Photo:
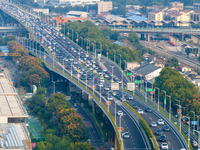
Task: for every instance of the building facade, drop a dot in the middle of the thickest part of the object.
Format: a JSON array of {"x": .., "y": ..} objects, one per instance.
[
  {"x": 176, "y": 5},
  {"x": 104, "y": 6}
]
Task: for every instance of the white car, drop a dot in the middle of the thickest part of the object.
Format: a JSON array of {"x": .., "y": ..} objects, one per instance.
[
  {"x": 164, "y": 146},
  {"x": 160, "y": 122},
  {"x": 126, "y": 135},
  {"x": 140, "y": 111},
  {"x": 153, "y": 124},
  {"x": 110, "y": 98},
  {"x": 120, "y": 113}
]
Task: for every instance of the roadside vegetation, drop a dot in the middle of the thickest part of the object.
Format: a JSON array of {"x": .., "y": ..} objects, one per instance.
[
  {"x": 62, "y": 126},
  {"x": 101, "y": 39},
  {"x": 178, "y": 88}
]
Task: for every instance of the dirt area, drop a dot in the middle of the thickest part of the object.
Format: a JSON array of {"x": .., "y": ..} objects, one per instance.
[{"x": 127, "y": 43}]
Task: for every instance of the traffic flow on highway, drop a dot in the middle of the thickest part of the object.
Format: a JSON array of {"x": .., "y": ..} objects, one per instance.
[{"x": 64, "y": 55}]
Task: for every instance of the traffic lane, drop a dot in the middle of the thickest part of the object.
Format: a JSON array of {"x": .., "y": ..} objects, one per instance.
[
  {"x": 136, "y": 140},
  {"x": 149, "y": 117}
]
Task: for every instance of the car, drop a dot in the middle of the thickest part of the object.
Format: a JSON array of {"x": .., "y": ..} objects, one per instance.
[
  {"x": 194, "y": 144},
  {"x": 148, "y": 109},
  {"x": 106, "y": 88},
  {"x": 110, "y": 97},
  {"x": 160, "y": 122},
  {"x": 140, "y": 111},
  {"x": 135, "y": 106},
  {"x": 153, "y": 124},
  {"x": 166, "y": 128},
  {"x": 164, "y": 146},
  {"x": 162, "y": 138},
  {"x": 130, "y": 97},
  {"x": 120, "y": 113},
  {"x": 126, "y": 135},
  {"x": 159, "y": 132}
]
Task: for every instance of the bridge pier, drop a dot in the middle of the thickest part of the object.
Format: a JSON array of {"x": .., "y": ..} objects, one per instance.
[
  {"x": 173, "y": 39},
  {"x": 195, "y": 39}
]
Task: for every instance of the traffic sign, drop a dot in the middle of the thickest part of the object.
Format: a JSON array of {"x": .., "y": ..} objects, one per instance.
[
  {"x": 99, "y": 55},
  {"x": 129, "y": 73},
  {"x": 149, "y": 90},
  {"x": 138, "y": 81}
]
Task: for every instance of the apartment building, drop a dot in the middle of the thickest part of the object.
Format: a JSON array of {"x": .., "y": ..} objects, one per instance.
[{"x": 104, "y": 6}]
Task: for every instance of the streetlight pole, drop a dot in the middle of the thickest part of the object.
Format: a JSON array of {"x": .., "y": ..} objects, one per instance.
[
  {"x": 179, "y": 105},
  {"x": 77, "y": 38},
  {"x": 194, "y": 121},
  {"x": 72, "y": 35},
  {"x": 100, "y": 94},
  {"x": 112, "y": 73},
  {"x": 169, "y": 107},
  {"x": 198, "y": 131},
  {"x": 115, "y": 112},
  {"x": 71, "y": 70},
  {"x": 114, "y": 56},
  {"x": 120, "y": 60},
  {"x": 146, "y": 92},
  {"x": 164, "y": 100},
  {"x": 107, "y": 51},
  {"x": 86, "y": 79},
  {"x": 158, "y": 97},
  {"x": 93, "y": 85},
  {"x": 63, "y": 65},
  {"x": 108, "y": 102}
]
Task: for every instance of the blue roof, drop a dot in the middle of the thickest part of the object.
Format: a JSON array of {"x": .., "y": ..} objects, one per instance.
[
  {"x": 136, "y": 18},
  {"x": 119, "y": 43}
]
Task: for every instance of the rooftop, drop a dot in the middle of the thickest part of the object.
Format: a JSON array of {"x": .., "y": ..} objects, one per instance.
[
  {"x": 137, "y": 18},
  {"x": 13, "y": 136},
  {"x": 146, "y": 69},
  {"x": 76, "y": 12},
  {"x": 9, "y": 99}
]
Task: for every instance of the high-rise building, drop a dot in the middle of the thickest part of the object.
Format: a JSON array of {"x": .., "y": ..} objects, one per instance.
[
  {"x": 176, "y": 5},
  {"x": 42, "y": 2},
  {"x": 104, "y": 6},
  {"x": 196, "y": 6}
]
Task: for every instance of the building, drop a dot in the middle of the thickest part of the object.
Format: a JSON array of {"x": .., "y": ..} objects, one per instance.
[
  {"x": 133, "y": 7},
  {"x": 104, "y": 6},
  {"x": 74, "y": 2},
  {"x": 196, "y": 6},
  {"x": 80, "y": 14},
  {"x": 156, "y": 16},
  {"x": 59, "y": 20},
  {"x": 42, "y": 3},
  {"x": 14, "y": 137},
  {"x": 176, "y": 5},
  {"x": 11, "y": 107},
  {"x": 132, "y": 65},
  {"x": 44, "y": 11},
  {"x": 148, "y": 71}
]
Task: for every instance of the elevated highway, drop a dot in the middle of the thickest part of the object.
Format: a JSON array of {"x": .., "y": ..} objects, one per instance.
[
  {"x": 138, "y": 139},
  {"x": 130, "y": 122}
]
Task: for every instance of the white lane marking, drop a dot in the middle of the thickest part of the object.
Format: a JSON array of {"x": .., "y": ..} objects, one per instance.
[{"x": 150, "y": 118}]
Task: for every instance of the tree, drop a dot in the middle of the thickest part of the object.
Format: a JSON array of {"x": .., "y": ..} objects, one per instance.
[
  {"x": 172, "y": 62},
  {"x": 81, "y": 146},
  {"x": 176, "y": 86},
  {"x": 41, "y": 146}
]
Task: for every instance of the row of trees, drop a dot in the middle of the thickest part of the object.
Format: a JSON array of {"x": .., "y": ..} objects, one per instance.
[
  {"x": 32, "y": 71},
  {"x": 100, "y": 39},
  {"x": 178, "y": 88},
  {"x": 63, "y": 127}
]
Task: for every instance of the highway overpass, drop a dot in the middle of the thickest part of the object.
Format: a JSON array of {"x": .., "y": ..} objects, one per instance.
[{"x": 138, "y": 138}]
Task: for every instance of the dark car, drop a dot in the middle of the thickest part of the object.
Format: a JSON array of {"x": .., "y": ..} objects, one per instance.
[
  {"x": 135, "y": 106},
  {"x": 148, "y": 109},
  {"x": 159, "y": 132},
  {"x": 166, "y": 128},
  {"x": 162, "y": 138}
]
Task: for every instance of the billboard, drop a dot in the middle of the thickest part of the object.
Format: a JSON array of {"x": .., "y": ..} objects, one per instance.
[
  {"x": 131, "y": 86},
  {"x": 114, "y": 86}
]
